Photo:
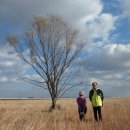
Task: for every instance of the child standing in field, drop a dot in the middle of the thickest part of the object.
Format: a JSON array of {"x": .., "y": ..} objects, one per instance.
[{"x": 82, "y": 105}]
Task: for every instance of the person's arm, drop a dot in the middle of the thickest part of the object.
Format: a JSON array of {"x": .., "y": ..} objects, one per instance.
[
  {"x": 102, "y": 95},
  {"x": 90, "y": 95}
]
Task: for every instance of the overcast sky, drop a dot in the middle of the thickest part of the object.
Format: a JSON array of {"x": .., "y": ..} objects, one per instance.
[{"x": 104, "y": 25}]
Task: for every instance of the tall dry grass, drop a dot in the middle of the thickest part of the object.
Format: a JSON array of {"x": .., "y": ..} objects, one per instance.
[{"x": 34, "y": 115}]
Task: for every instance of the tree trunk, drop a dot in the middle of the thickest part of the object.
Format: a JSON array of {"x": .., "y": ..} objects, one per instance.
[{"x": 53, "y": 106}]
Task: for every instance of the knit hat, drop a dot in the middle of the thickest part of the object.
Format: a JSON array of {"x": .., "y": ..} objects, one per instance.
[{"x": 81, "y": 93}]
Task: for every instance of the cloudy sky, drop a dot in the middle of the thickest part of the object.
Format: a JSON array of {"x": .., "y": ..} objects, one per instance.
[{"x": 104, "y": 25}]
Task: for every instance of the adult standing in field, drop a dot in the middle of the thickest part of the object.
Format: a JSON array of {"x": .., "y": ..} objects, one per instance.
[
  {"x": 82, "y": 105},
  {"x": 96, "y": 97}
]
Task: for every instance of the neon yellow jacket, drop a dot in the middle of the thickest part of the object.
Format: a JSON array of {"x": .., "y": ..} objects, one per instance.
[{"x": 96, "y": 97}]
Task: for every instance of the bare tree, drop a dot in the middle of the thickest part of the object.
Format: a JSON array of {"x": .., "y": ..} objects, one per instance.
[{"x": 53, "y": 48}]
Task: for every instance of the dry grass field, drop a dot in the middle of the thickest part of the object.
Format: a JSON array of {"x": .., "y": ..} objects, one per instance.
[{"x": 34, "y": 115}]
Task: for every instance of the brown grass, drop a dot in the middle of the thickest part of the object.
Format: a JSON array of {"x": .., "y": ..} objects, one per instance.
[{"x": 34, "y": 115}]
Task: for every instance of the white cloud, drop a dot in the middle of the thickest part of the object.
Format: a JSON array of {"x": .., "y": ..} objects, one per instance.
[
  {"x": 10, "y": 64},
  {"x": 113, "y": 76},
  {"x": 6, "y": 64},
  {"x": 85, "y": 15},
  {"x": 102, "y": 26},
  {"x": 9, "y": 79},
  {"x": 100, "y": 29},
  {"x": 3, "y": 79},
  {"x": 73, "y": 11},
  {"x": 110, "y": 57},
  {"x": 118, "y": 49}
]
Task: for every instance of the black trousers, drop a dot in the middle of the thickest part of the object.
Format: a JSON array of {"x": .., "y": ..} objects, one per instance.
[
  {"x": 82, "y": 113},
  {"x": 97, "y": 113}
]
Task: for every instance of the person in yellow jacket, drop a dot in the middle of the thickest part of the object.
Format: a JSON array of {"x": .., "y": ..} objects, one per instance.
[{"x": 96, "y": 97}]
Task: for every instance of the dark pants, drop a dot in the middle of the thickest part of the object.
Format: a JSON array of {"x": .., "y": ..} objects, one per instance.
[
  {"x": 97, "y": 113},
  {"x": 82, "y": 113}
]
